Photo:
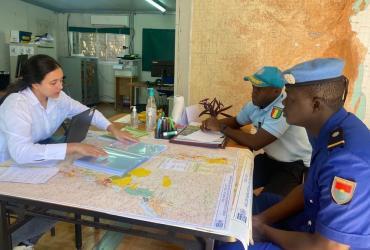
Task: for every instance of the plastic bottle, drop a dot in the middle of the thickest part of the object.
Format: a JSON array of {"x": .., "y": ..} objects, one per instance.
[
  {"x": 134, "y": 118},
  {"x": 151, "y": 111}
]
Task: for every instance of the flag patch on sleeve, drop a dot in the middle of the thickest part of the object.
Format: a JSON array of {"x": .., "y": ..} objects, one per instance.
[
  {"x": 342, "y": 190},
  {"x": 276, "y": 112}
]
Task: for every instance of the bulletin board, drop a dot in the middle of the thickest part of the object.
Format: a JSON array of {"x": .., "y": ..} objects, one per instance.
[{"x": 158, "y": 44}]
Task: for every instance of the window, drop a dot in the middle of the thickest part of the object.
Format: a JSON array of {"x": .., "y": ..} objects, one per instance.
[{"x": 105, "y": 46}]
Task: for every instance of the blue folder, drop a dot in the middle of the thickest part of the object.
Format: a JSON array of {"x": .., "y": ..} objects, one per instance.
[{"x": 119, "y": 161}]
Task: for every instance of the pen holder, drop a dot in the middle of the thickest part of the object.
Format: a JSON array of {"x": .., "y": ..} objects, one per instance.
[{"x": 165, "y": 128}]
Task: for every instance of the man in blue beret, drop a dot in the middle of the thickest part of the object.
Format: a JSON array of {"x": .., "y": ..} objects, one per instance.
[
  {"x": 331, "y": 209},
  {"x": 287, "y": 151}
]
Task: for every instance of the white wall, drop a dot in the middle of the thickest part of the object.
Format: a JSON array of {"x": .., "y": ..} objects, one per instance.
[
  {"x": 182, "y": 50},
  {"x": 18, "y": 15},
  {"x": 150, "y": 21}
]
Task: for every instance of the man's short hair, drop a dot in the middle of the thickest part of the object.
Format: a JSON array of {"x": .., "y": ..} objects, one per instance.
[{"x": 332, "y": 91}]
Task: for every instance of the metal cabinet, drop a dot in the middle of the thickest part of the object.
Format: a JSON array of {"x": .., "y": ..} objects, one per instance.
[{"x": 81, "y": 81}]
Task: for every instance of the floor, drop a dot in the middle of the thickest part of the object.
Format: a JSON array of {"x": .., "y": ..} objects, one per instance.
[
  {"x": 108, "y": 109},
  {"x": 99, "y": 240},
  {"x": 96, "y": 238}
]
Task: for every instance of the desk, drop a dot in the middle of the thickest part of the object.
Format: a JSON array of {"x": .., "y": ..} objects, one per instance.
[
  {"x": 175, "y": 209},
  {"x": 126, "y": 90}
]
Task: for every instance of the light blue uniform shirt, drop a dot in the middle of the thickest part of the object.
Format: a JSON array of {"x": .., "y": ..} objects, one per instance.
[
  {"x": 24, "y": 122},
  {"x": 292, "y": 142}
]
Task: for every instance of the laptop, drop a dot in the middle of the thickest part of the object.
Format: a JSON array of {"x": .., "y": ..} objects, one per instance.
[
  {"x": 76, "y": 131},
  {"x": 79, "y": 126}
]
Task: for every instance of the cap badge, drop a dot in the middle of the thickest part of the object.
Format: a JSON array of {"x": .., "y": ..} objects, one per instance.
[{"x": 289, "y": 78}]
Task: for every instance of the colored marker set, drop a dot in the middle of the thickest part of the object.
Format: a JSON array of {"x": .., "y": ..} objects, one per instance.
[{"x": 165, "y": 128}]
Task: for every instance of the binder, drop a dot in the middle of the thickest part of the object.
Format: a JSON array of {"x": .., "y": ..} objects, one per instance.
[{"x": 193, "y": 136}]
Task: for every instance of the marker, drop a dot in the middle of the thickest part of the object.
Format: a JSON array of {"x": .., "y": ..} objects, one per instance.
[
  {"x": 172, "y": 124},
  {"x": 170, "y": 133},
  {"x": 164, "y": 125},
  {"x": 159, "y": 123}
]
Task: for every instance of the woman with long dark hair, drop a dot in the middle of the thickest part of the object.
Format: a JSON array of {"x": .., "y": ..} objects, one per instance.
[
  {"x": 31, "y": 111},
  {"x": 34, "y": 108}
]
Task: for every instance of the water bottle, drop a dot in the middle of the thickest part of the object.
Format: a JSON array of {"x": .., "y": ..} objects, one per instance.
[
  {"x": 151, "y": 111},
  {"x": 134, "y": 118}
]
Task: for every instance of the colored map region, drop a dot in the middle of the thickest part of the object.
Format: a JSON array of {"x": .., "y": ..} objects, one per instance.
[{"x": 253, "y": 34}]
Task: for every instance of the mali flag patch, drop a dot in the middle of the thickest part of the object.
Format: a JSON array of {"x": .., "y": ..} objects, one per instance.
[
  {"x": 342, "y": 190},
  {"x": 276, "y": 112}
]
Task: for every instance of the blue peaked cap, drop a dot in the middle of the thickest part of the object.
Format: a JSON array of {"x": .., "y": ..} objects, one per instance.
[{"x": 310, "y": 72}]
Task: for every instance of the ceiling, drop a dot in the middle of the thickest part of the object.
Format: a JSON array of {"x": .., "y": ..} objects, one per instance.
[{"x": 103, "y": 6}]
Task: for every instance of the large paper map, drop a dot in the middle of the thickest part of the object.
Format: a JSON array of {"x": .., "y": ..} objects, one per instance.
[
  {"x": 252, "y": 34},
  {"x": 185, "y": 186}
]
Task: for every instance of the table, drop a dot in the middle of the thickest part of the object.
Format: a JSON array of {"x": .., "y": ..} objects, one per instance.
[
  {"x": 126, "y": 90},
  {"x": 87, "y": 201}
]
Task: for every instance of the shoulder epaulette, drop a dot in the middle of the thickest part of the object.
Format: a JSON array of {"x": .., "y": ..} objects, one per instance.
[{"x": 336, "y": 139}]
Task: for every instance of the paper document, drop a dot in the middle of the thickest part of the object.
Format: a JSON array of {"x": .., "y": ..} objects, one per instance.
[
  {"x": 241, "y": 215},
  {"x": 31, "y": 175},
  {"x": 194, "y": 136},
  {"x": 124, "y": 119},
  {"x": 135, "y": 132},
  {"x": 44, "y": 164},
  {"x": 192, "y": 113},
  {"x": 207, "y": 137}
]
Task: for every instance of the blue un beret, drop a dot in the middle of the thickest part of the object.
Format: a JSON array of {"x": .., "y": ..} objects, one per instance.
[{"x": 311, "y": 72}]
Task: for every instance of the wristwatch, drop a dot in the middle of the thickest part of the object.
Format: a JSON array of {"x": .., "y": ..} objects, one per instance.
[{"x": 223, "y": 127}]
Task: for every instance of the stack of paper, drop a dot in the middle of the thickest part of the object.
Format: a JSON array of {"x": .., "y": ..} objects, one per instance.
[
  {"x": 31, "y": 175},
  {"x": 124, "y": 119},
  {"x": 193, "y": 135},
  {"x": 206, "y": 137}
]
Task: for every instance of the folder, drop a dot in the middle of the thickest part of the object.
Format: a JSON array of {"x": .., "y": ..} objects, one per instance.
[{"x": 194, "y": 136}]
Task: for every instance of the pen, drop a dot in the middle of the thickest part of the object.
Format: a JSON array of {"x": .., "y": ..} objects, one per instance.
[
  {"x": 159, "y": 127},
  {"x": 164, "y": 125},
  {"x": 172, "y": 124}
]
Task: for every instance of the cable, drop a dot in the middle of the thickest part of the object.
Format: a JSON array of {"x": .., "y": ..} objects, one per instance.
[{"x": 68, "y": 40}]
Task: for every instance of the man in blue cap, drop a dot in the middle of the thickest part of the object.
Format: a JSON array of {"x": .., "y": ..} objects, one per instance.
[
  {"x": 287, "y": 151},
  {"x": 331, "y": 210}
]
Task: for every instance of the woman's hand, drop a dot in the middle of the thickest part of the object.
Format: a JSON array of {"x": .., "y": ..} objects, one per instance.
[
  {"x": 85, "y": 150},
  {"x": 121, "y": 135}
]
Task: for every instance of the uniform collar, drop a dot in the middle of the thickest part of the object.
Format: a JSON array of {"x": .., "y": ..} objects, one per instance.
[
  {"x": 277, "y": 99},
  {"x": 331, "y": 124}
]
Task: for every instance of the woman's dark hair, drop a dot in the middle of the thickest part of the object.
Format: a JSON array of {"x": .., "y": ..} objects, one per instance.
[{"x": 33, "y": 71}]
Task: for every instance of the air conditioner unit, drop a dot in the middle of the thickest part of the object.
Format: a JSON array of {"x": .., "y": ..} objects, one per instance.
[{"x": 110, "y": 20}]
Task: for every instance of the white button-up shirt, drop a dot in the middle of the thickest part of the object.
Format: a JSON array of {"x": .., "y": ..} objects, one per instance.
[{"x": 24, "y": 122}]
